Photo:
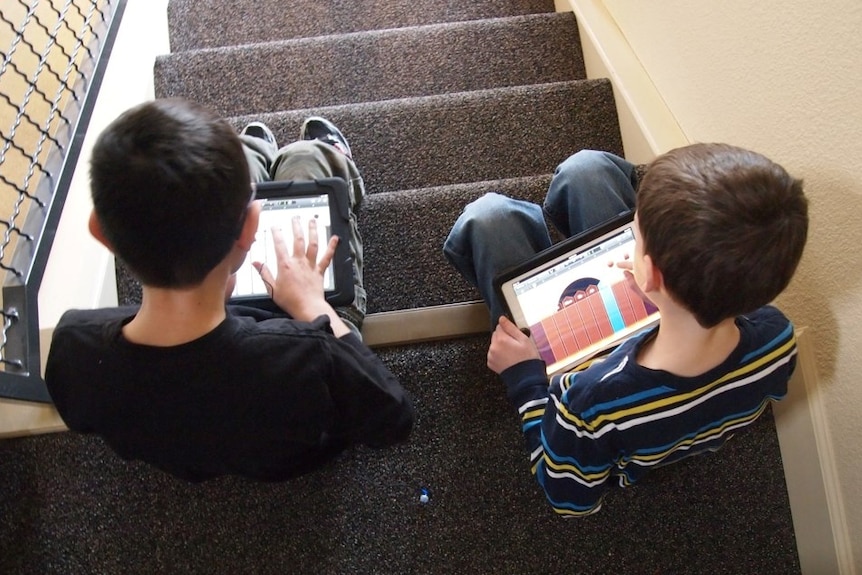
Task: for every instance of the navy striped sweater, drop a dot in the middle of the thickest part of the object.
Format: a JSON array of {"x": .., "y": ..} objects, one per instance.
[{"x": 614, "y": 420}]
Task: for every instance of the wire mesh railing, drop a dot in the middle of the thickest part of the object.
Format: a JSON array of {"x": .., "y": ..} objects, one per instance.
[{"x": 52, "y": 57}]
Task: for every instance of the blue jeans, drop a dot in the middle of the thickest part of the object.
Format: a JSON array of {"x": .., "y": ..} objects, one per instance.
[{"x": 496, "y": 232}]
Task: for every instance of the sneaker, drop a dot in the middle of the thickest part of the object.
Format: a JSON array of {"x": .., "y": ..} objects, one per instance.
[
  {"x": 259, "y": 130},
  {"x": 317, "y": 128}
]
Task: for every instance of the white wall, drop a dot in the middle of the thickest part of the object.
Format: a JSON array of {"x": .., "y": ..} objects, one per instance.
[
  {"x": 784, "y": 78},
  {"x": 80, "y": 272}
]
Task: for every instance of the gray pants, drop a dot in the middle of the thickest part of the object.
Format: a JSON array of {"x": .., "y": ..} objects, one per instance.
[{"x": 311, "y": 160}]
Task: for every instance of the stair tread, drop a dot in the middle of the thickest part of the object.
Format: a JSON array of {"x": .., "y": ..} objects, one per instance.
[
  {"x": 468, "y": 136},
  {"x": 209, "y": 23},
  {"x": 68, "y": 494},
  {"x": 369, "y": 66},
  {"x": 404, "y": 263}
]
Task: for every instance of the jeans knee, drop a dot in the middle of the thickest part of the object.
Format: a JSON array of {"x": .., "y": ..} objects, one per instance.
[
  {"x": 486, "y": 221},
  {"x": 492, "y": 209},
  {"x": 472, "y": 222},
  {"x": 587, "y": 165}
]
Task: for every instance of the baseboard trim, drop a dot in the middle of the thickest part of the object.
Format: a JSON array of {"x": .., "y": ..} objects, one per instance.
[
  {"x": 647, "y": 126},
  {"x": 426, "y": 324},
  {"x": 819, "y": 520}
]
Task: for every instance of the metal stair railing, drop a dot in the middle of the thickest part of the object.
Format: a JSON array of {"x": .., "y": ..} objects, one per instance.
[{"x": 53, "y": 54}]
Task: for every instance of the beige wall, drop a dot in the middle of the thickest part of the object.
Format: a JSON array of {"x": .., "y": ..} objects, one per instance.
[{"x": 783, "y": 78}]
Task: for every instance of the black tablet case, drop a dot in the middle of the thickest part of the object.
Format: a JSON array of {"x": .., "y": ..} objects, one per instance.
[{"x": 339, "y": 207}]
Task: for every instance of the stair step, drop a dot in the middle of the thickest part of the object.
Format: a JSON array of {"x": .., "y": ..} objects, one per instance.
[
  {"x": 404, "y": 263},
  {"x": 416, "y": 143},
  {"x": 70, "y": 505},
  {"x": 380, "y": 65},
  {"x": 210, "y": 23}
]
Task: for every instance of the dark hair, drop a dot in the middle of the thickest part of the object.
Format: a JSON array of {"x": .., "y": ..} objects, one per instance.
[
  {"x": 726, "y": 227},
  {"x": 170, "y": 187}
]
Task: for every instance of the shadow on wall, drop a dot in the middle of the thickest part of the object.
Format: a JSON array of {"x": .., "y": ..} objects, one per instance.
[{"x": 830, "y": 272}]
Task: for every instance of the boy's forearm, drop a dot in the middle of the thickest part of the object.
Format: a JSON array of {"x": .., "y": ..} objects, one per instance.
[
  {"x": 570, "y": 469},
  {"x": 527, "y": 389},
  {"x": 339, "y": 328},
  {"x": 568, "y": 466}
]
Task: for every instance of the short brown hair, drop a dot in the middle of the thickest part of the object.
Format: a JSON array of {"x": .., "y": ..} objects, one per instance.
[
  {"x": 726, "y": 227},
  {"x": 170, "y": 186}
]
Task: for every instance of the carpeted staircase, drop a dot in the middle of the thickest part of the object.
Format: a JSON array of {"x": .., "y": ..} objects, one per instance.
[{"x": 441, "y": 101}]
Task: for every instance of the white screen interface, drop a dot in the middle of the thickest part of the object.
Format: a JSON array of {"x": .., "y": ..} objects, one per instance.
[{"x": 278, "y": 212}]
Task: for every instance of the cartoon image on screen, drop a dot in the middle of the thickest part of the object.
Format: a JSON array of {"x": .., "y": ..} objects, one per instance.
[
  {"x": 589, "y": 311},
  {"x": 279, "y": 212},
  {"x": 579, "y": 305}
]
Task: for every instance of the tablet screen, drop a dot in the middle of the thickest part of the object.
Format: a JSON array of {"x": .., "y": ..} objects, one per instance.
[
  {"x": 279, "y": 212},
  {"x": 579, "y": 302}
]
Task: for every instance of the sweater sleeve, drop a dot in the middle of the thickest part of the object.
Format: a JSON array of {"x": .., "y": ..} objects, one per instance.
[
  {"x": 572, "y": 463},
  {"x": 373, "y": 407}
]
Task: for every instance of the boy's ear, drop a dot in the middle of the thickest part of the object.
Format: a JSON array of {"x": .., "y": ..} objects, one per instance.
[
  {"x": 249, "y": 227},
  {"x": 653, "y": 280},
  {"x": 96, "y": 230}
]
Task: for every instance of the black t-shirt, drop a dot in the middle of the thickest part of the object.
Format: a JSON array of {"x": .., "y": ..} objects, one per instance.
[{"x": 262, "y": 395}]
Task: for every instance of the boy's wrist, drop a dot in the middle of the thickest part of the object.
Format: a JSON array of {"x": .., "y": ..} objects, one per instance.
[
  {"x": 530, "y": 371},
  {"x": 311, "y": 310},
  {"x": 525, "y": 382},
  {"x": 314, "y": 310}
]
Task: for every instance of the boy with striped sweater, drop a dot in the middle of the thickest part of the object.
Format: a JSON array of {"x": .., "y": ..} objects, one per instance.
[{"x": 719, "y": 232}]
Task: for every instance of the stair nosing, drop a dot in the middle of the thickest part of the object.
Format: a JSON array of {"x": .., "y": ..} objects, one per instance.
[
  {"x": 381, "y": 32},
  {"x": 409, "y": 101}
]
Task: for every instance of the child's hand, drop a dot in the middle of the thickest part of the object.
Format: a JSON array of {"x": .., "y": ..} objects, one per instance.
[
  {"x": 509, "y": 346},
  {"x": 625, "y": 263},
  {"x": 297, "y": 287},
  {"x": 628, "y": 270}
]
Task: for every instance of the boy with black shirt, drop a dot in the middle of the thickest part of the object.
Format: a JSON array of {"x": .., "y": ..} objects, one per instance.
[{"x": 185, "y": 382}]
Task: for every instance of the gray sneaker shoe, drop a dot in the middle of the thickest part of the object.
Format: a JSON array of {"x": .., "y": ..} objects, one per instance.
[
  {"x": 259, "y": 130},
  {"x": 318, "y": 128}
]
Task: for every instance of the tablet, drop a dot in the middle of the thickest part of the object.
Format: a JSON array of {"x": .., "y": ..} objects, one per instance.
[
  {"x": 325, "y": 200},
  {"x": 573, "y": 298}
]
